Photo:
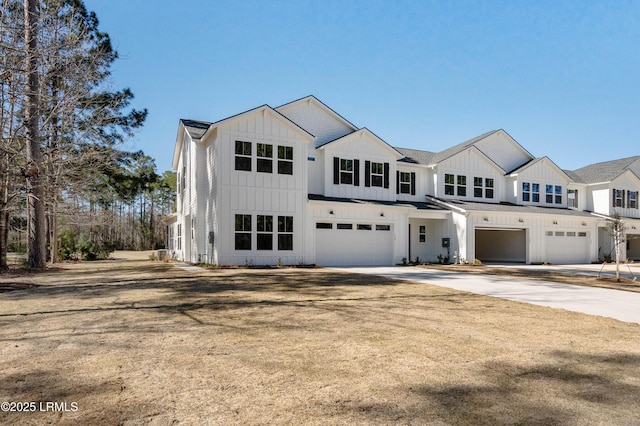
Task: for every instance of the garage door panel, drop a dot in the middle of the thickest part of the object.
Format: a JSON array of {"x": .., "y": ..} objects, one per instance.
[
  {"x": 567, "y": 246},
  {"x": 354, "y": 247}
]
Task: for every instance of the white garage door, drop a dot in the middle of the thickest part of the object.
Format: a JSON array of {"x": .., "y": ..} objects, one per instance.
[
  {"x": 354, "y": 244},
  {"x": 567, "y": 247},
  {"x": 501, "y": 245}
]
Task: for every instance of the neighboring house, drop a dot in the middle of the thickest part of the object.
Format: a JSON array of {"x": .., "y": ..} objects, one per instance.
[{"x": 301, "y": 184}]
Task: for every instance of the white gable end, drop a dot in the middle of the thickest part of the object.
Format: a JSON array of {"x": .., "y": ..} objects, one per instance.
[
  {"x": 503, "y": 150},
  {"x": 317, "y": 119}
]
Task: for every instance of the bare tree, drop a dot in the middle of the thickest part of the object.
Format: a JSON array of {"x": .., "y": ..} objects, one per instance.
[{"x": 617, "y": 231}]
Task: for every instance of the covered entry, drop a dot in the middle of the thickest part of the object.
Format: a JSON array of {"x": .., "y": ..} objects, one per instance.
[
  {"x": 501, "y": 245},
  {"x": 354, "y": 244}
]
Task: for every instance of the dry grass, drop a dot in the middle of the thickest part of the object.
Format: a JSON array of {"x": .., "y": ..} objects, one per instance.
[{"x": 137, "y": 342}]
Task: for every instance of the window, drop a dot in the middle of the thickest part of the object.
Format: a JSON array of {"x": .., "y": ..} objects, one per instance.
[
  {"x": 243, "y": 232},
  {"x": 462, "y": 186},
  {"x": 285, "y": 160},
  {"x": 346, "y": 171},
  {"x": 264, "y": 226},
  {"x": 285, "y": 232},
  {"x": 535, "y": 192},
  {"x": 477, "y": 187},
  {"x": 558, "y": 194},
  {"x": 405, "y": 182},
  {"x": 571, "y": 234},
  {"x": 243, "y": 156},
  {"x": 377, "y": 174},
  {"x": 488, "y": 188},
  {"x": 449, "y": 181},
  {"x": 363, "y": 227},
  {"x": 193, "y": 228},
  {"x": 344, "y": 226},
  {"x": 526, "y": 191},
  {"x": 422, "y": 234},
  {"x": 559, "y": 234},
  {"x": 549, "y": 193},
  {"x": 572, "y": 198},
  {"x": 179, "y": 237},
  {"x": 549, "y": 233},
  {"x": 582, "y": 234},
  {"x": 633, "y": 200},
  {"x": 265, "y": 154},
  {"x": 383, "y": 227},
  {"x": 324, "y": 225},
  {"x": 618, "y": 198}
]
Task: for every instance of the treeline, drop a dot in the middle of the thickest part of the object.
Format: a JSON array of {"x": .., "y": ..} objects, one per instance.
[{"x": 63, "y": 172}]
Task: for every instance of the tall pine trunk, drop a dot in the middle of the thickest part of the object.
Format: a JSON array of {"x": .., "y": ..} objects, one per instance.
[{"x": 36, "y": 233}]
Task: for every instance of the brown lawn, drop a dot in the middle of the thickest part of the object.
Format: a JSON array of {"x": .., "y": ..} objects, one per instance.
[{"x": 140, "y": 342}]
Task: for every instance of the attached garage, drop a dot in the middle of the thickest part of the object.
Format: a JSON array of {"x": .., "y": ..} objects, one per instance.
[
  {"x": 567, "y": 246},
  {"x": 501, "y": 245},
  {"x": 354, "y": 244},
  {"x": 633, "y": 247}
]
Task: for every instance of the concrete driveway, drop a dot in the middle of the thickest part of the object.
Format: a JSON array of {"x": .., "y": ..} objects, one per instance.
[{"x": 621, "y": 305}]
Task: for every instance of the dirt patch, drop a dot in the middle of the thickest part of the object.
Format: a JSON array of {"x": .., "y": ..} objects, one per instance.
[{"x": 139, "y": 342}]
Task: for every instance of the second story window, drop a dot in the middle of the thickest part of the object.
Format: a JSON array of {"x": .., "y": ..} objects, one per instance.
[
  {"x": 449, "y": 182},
  {"x": 285, "y": 160},
  {"x": 377, "y": 174},
  {"x": 488, "y": 188},
  {"x": 558, "y": 197},
  {"x": 549, "y": 194},
  {"x": 618, "y": 198},
  {"x": 535, "y": 192},
  {"x": 526, "y": 191},
  {"x": 462, "y": 186},
  {"x": 405, "y": 182},
  {"x": 264, "y": 153},
  {"x": 633, "y": 200},
  {"x": 243, "y": 156},
  {"x": 572, "y": 198},
  {"x": 477, "y": 187},
  {"x": 346, "y": 171}
]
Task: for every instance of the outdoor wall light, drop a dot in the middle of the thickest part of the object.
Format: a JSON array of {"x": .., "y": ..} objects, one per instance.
[
  {"x": 486, "y": 219},
  {"x": 584, "y": 223},
  {"x": 555, "y": 222},
  {"x": 521, "y": 220},
  {"x": 331, "y": 212},
  {"x": 382, "y": 214}
]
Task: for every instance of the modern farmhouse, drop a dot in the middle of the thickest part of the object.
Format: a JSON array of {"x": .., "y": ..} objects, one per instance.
[{"x": 301, "y": 184}]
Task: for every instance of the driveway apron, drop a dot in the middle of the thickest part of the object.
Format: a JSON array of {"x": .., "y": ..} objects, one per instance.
[{"x": 617, "y": 304}]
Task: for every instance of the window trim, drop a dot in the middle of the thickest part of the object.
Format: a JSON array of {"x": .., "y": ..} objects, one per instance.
[
  {"x": 264, "y": 158},
  {"x": 264, "y": 229},
  {"x": 285, "y": 233},
  {"x": 284, "y": 160},
  {"x": 243, "y": 157},
  {"x": 449, "y": 184},
  {"x": 241, "y": 232}
]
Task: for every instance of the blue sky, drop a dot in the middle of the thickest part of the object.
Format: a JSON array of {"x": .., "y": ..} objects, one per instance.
[{"x": 561, "y": 77}]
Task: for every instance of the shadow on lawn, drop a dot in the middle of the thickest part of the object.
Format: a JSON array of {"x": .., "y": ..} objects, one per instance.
[{"x": 567, "y": 391}]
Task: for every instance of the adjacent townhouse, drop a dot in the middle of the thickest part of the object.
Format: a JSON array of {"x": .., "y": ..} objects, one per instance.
[{"x": 299, "y": 183}]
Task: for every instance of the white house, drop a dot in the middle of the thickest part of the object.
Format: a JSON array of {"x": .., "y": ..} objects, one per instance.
[{"x": 301, "y": 184}]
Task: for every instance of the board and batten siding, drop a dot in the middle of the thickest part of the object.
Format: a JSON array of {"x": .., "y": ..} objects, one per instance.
[
  {"x": 254, "y": 193},
  {"x": 505, "y": 152},
  {"x": 470, "y": 163}
]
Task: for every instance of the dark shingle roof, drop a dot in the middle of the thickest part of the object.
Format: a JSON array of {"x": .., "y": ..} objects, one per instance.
[
  {"x": 195, "y": 128},
  {"x": 514, "y": 208},
  {"x": 415, "y": 156},
  {"x": 605, "y": 171},
  {"x": 418, "y": 205}
]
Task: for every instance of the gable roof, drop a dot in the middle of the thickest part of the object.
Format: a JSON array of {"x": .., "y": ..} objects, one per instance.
[
  {"x": 415, "y": 156},
  {"x": 199, "y": 130},
  {"x": 605, "y": 171},
  {"x": 536, "y": 161},
  {"x": 322, "y": 105},
  {"x": 364, "y": 131}
]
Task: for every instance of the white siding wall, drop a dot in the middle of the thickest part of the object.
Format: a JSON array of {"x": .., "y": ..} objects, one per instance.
[
  {"x": 470, "y": 163},
  {"x": 422, "y": 183},
  {"x": 360, "y": 148},
  {"x": 501, "y": 149},
  {"x": 436, "y": 230},
  {"x": 543, "y": 174},
  {"x": 316, "y": 119},
  {"x": 253, "y": 193},
  {"x": 627, "y": 182},
  {"x": 316, "y": 170}
]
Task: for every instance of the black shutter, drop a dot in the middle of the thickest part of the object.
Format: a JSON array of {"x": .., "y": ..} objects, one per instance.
[
  {"x": 623, "y": 197},
  {"x": 367, "y": 173},
  {"x": 356, "y": 172},
  {"x": 613, "y": 197},
  {"x": 413, "y": 183},
  {"x": 397, "y": 181},
  {"x": 386, "y": 175},
  {"x": 336, "y": 171}
]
